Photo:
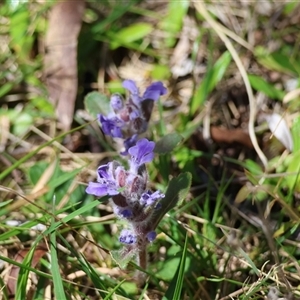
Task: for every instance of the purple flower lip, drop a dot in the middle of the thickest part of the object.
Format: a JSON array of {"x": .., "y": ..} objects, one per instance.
[
  {"x": 149, "y": 198},
  {"x": 103, "y": 188},
  {"x": 111, "y": 126},
  {"x": 141, "y": 153},
  {"x": 128, "y": 143},
  {"x": 153, "y": 92},
  {"x": 106, "y": 183}
]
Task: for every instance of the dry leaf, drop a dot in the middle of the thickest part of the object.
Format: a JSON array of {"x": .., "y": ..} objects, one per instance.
[
  {"x": 61, "y": 57},
  {"x": 14, "y": 271}
]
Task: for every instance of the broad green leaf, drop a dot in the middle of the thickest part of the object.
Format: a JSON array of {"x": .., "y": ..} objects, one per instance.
[
  {"x": 210, "y": 80},
  {"x": 177, "y": 190},
  {"x": 168, "y": 268},
  {"x": 263, "y": 86},
  {"x": 167, "y": 143},
  {"x": 55, "y": 182},
  {"x": 20, "y": 39},
  {"x": 42, "y": 104},
  {"x": 253, "y": 167},
  {"x": 290, "y": 7},
  {"x": 275, "y": 61},
  {"x": 130, "y": 34},
  {"x": 116, "y": 13},
  {"x": 171, "y": 24},
  {"x": 97, "y": 103},
  {"x": 5, "y": 88},
  {"x": 160, "y": 72},
  {"x": 175, "y": 289},
  {"x": 22, "y": 124}
]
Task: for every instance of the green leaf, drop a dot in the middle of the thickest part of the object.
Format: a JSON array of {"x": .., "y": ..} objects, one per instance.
[
  {"x": 292, "y": 177},
  {"x": 210, "y": 80},
  {"x": 296, "y": 134},
  {"x": 276, "y": 61},
  {"x": 23, "y": 275},
  {"x": 171, "y": 24},
  {"x": 21, "y": 40},
  {"x": 177, "y": 190},
  {"x": 121, "y": 259},
  {"x": 5, "y": 88},
  {"x": 263, "y": 86},
  {"x": 22, "y": 124},
  {"x": 130, "y": 34},
  {"x": 112, "y": 292},
  {"x": 242, "y": 194},
  {"x": 4, "y": 203},
  {"x": 160, "y": 72},
  {"x": 85, "y": 266},
  {"x": 97, "y": 103},
  {"x": 57, "y": 280},
  {"x": 175, "y": 289},
  {"x": 63, "y": 178},
  {"x": 167, "y": 143}
]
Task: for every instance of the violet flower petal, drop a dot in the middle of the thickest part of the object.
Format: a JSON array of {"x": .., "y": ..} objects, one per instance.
[
  {"x": 154, "y": 91},
  {"x": 141, "y": 153},
  {"x": 149, "y": 198},
  {"x": 111, "y": 126},
  {"x": 128, "y": 143},
  {"x": 102, "y": 189},
  {"x": 133, "y": 89},
  {"x": 130, "y": 86}
]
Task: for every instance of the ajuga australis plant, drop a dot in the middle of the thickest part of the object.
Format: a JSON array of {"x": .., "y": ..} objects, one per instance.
[{"x": 127, "y": 186}]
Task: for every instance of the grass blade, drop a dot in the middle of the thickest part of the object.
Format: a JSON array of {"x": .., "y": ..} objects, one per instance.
[{"x": 175, "y": 288}]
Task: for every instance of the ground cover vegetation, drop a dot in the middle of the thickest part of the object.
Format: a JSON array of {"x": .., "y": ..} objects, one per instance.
[{"x": 149, "y": 150}]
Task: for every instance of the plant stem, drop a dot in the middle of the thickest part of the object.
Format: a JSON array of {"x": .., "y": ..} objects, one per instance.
[{"x": 142, "y": 258}]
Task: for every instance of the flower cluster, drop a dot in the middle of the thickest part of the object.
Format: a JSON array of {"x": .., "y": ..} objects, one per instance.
[
  {"x": 130, "y": 198},
  {"x": 130, "y": 118}
]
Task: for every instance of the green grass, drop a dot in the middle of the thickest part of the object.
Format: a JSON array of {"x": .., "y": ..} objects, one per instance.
[{"x": 233, "y": 233}]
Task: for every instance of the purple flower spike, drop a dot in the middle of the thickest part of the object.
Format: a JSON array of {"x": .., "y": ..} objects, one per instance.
[
  {"x": 154, "y": 91},
  {"x": 141, "y": 153},
  {"x": 127, "y": 237},
  {"x": 111, "y": 126},
  {"x": 151, "y": 236},
  {"x": 116, "y": 102},
  {"x": 150, "y": 198}
]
